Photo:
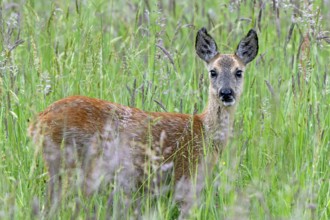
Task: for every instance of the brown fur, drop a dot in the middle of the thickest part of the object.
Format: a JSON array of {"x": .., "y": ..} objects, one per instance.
[{"x": 180, "y": 138}]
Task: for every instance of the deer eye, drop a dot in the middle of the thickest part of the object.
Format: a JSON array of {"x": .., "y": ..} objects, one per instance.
[
  {"x": 213, "y": 74},
  {"x": 239, "y": 73}
]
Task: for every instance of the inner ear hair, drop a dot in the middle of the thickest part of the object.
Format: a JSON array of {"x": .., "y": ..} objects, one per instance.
[
  {"x": 248, "y": 47},
  {"x": 206, "y": 47}
]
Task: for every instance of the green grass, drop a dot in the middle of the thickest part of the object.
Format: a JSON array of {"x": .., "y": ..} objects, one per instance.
[{"x": 277, "y": 163}]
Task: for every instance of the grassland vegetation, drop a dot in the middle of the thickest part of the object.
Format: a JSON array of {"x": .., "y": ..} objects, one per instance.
[{"x": 141, "y": 54}]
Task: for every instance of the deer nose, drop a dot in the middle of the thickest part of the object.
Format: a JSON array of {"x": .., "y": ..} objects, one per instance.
[{"x": 226, "y": 93}]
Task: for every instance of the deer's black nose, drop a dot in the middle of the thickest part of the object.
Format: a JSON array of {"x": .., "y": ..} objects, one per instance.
[{"x": 226, "y": 93}]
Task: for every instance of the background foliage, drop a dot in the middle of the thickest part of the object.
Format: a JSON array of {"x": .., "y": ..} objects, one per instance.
[{"x": 141, "y": 53}]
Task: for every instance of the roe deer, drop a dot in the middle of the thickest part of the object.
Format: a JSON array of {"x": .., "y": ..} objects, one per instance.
[{"x": 74, "y": 123}]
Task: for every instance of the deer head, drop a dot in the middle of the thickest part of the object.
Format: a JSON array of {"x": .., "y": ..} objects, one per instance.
[{"x": 226, "y": 71}]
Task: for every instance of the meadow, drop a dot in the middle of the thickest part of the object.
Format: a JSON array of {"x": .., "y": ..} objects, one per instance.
[{"x": 142, "y": 54}]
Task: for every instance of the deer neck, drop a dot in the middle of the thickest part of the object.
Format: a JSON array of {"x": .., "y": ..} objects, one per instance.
[{"x": 217, "y": 120}]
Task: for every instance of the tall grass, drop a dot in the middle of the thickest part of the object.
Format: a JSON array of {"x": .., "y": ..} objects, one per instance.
[{"x": 141, "y": 53}]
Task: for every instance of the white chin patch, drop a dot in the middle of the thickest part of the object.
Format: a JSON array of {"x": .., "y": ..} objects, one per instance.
[{"x": 231, "y": 103}]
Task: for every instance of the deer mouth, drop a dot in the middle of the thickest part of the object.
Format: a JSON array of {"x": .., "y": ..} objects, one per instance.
[{"x": 228, "y": 101}]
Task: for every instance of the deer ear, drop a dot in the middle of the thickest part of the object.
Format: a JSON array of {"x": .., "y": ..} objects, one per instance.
[
  {"x": 247, "y": 48},
  {"x": 206, "y": 48}
]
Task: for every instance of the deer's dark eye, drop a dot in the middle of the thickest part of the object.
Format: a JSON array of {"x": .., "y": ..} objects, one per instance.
[
  {"x": 239, "y": 73},
  {"x": 213, "y": 74}
]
